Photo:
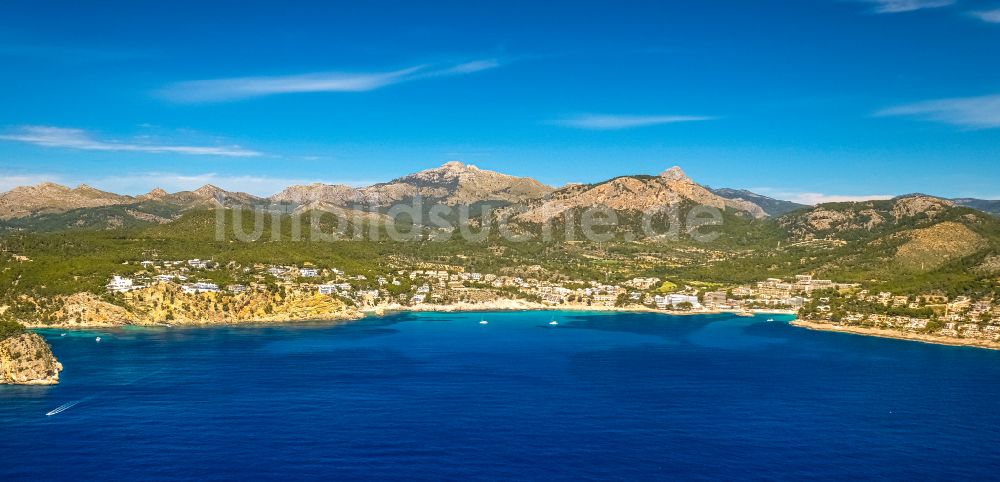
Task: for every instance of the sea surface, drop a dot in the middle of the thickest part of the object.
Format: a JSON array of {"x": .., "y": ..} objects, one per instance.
[{"x": 428, "y": 396}]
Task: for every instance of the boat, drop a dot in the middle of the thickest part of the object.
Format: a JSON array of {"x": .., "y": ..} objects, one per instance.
[
  {"x": 483, "y": 322},
  {"x": 98, "y": 339},
  {"x": 770, "y": 319},
  {"x": 553, "y": 322}
]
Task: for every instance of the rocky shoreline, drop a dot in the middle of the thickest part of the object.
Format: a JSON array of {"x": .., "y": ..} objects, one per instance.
[
  {"x": 898, "y": 335},
  {"x": 27, "y": 359},
  {"x": 344, "y": 316}
]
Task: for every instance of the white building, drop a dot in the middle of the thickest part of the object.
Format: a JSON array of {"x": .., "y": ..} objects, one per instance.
[
  {"x": 200, "y": 287},
  {"x": 308, "y": 272},
  {"x": 673, "y": 300},
  {"x": 197, "y": 263},
  {"x": 120, "y": 284}
]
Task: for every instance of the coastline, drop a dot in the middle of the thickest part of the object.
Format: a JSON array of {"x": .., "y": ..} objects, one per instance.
[
  {"x": 382, "y": 310},
  {"x": 521, "y": 305},
  {"x": 897, "y": 335},
  {"x": 346, "y": 316}
]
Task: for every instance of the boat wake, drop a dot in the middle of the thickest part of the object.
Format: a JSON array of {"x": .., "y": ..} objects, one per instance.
[
  {"x": 62, "y": 408},
  {"x": 66, "y": 406}
]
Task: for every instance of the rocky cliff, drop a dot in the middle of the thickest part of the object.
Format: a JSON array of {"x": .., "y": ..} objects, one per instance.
[
  {"x": 26, "y": 359},
  {"x": 167, "y": 304}
]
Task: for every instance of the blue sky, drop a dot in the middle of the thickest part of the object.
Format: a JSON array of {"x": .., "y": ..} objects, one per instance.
[{"x": 802, "y": 99}]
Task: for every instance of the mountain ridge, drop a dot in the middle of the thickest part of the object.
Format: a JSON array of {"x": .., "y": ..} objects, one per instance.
[{"x": 453, "y": 183}]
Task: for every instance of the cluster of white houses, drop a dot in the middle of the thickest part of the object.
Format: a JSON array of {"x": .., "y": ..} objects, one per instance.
[{"x": 434, "y": 285}]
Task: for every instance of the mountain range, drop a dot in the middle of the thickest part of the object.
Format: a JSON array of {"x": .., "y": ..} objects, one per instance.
[
  {"x": 56, "y": 241},
  {"x": 50, "y": 206}
]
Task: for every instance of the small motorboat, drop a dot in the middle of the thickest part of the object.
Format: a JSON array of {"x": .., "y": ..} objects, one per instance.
[
  {"x": 770, "y": 319},
  {"x": 553, "y": 322},
  {"x": 98, "y": 339},
  {"x": 483, "y": 322}
]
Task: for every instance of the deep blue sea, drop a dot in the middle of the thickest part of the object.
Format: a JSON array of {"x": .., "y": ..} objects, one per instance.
[{"x": 440, "y": 396}]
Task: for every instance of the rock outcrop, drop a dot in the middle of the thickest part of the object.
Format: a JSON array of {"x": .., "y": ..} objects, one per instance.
[
  {"x": 87, "y": 309},
  {"x": 167, "y": 304},
  {"x": 26, "y": 359}
]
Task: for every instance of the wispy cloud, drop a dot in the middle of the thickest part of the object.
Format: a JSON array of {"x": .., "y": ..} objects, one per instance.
[
  {"x": 80, "y": 139},
  {"x": 989, "y": 16},
  {"x": 814, "y": 198},
  {"x": 615, "y": 121},
  {"x": 972, "y": 112},
  {"x": 217, "y": 90},
  {"x": 10, "y": 181},
  {"x": 142, "y": 182},
  {"x": 900, "y": 6}
]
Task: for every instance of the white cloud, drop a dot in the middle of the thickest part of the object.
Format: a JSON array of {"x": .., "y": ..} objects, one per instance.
[
  {"x": 989, "y": 16},
  {"x": 10, "y": 181},
  {"x": 138, "y": 183},
  {"x": 613, "y": 121},
  {"x": 143, "y": 182},
  {"x": 814, "y": 198},
  {"x": 215, "y": 90},
  {"x": 973, "y": 112},
  {"x": 900, "y": 6},
  {"x": 49, "y": 136}
]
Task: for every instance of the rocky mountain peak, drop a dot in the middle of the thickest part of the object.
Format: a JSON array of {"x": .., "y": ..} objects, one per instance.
[
  {"x": 52, "y": 197},
  {"x": 908, "y": 206},
  {"x": 637, "y": 193},
  {"x": 675, "y": 174},
  {"x": 156, "y": 193},
  {"x": 209, "y": 190},
  {"x": 48, "y": 186},
  {"x": 457, "y": 166}
]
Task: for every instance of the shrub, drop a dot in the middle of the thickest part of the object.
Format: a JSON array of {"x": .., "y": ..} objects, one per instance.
[{"x": 10, "y": 328}]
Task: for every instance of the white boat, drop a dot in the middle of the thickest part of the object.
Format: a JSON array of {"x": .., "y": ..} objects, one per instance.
[
  {"x": 98, "y": 339},
  {"x": 553, "y": 322},
  {"x": 770, "y": 319},
  {"x": 483, "y": 322}
]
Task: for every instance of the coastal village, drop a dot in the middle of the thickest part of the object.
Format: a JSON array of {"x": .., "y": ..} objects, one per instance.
[
  {"x": 415, "y": 287},
  {"x": 450, "y": 288}
]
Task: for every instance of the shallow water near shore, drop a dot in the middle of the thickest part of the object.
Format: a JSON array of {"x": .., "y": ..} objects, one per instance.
[{"x": 434, "y": 395}]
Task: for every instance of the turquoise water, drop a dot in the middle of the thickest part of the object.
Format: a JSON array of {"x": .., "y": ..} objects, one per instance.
[{"x": 430, "y": 396}]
